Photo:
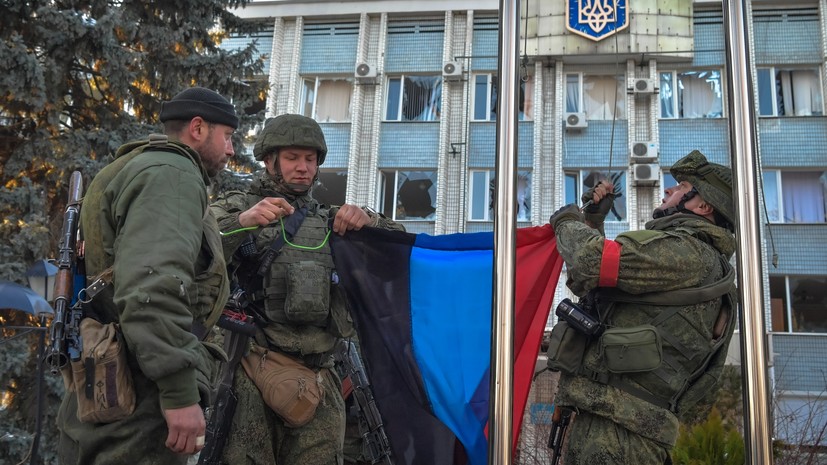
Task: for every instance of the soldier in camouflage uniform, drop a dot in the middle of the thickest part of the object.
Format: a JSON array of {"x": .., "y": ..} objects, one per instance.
[
  {"x": 292, "y": 148},
  {"x": 665, "y": 298},
  {"x": 146, "y": 217}
]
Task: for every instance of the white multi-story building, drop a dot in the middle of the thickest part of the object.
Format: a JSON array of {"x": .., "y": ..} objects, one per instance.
[{"x": 406, "y": 94}]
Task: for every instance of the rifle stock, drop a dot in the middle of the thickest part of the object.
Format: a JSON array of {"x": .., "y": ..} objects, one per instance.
[{"x": 66, "y": 321}]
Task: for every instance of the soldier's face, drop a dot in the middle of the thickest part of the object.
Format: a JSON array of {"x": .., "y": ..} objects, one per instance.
[
  {"x": 216, "y": 148},
  {"x": 298, "y": 165},
  {"x": 674, "y": 194}
]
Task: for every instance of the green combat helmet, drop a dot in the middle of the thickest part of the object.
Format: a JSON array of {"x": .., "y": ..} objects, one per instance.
[
  {"x": 712, "y": 181},
  {"x": 290, "y": 131}
]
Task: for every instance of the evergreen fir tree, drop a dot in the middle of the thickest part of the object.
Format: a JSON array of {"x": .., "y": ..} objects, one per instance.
[{"x": 80, "y": 79}]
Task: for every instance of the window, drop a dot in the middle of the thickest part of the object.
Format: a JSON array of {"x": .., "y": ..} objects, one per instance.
[
  {"x": 326, "y": 100},
  {"x": 798, "y": 304},
  {"x": 691, "y": 94},
  {"x": 331, "y": 188},
  {"x": 485, "y": 98},
  {"x": 408, "y": 195},
  {"x": 572, "y": 187},
  {"x": 796, "y": 196},
  {"x": 414, "y": 98},
  {"x": 789, "y": 92},
  {"x": 600, "y": 97},
  {"x": 483, "y": 196},
  {"x": 575, "y": 188}
]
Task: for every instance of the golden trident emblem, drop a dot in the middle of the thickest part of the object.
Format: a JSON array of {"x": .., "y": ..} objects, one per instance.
[{"x": 597, "y": 13}]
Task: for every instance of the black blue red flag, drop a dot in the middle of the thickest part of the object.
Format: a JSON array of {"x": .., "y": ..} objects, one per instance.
[{"x": 422, "y": 306}]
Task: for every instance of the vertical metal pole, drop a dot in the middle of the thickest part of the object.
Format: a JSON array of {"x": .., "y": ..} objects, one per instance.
[
  {"x": 742, "y": 129},
  {"x": 41, "y": 344},
  {"x": 502, "y": 325}
]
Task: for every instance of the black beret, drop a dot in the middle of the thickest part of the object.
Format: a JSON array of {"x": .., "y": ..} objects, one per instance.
[{"x": 199, "y": 101}]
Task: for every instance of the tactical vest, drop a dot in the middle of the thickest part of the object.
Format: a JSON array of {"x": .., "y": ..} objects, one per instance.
[
  {"x": 629, "y": 350},
  {"x": 305, "y": 310},
  {"x": 210, "y": 282}
]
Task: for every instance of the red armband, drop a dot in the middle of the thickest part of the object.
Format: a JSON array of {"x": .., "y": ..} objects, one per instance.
[{"x": 609, "y": 264}]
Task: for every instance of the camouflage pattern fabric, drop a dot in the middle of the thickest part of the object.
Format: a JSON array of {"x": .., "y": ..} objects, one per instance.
[
  {"x": 594, "y": 440},
  {"x": 259, "y": 437},
  {"x": 675, "y": 252}
]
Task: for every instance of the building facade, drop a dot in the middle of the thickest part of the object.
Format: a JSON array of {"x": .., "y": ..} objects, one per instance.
[{"x": 406, "y": 95}]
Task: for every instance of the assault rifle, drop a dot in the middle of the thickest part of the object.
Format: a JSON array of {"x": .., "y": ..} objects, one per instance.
[
  {"x": 560, "y": 420},
  {"x": 239, "y": 328},
  {"x": 64, "y": 335},
  {"x": 375, "y": 446}
]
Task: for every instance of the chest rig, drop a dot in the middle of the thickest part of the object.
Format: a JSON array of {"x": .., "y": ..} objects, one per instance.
[
  {"x": 623, "y": 353},
  {"x": 288, "y": 273}
]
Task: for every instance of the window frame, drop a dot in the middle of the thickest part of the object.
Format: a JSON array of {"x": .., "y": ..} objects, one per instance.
[
  {"x": 620, "y": 82},
  {"x": 580, "y": 175},
  {"x": 490, "y": 102},
  {"x": 773, "y": 71},
  {"x": 490, "y": 176},
  {"x": 778, "y": 175},
  {"x": 317, "y": 82},
  {"x": 790, "y": 316},
  {"x": 400, "y": 98},
  {"x": 677, "y": 96},
  {"x": 391, "y": 211}
]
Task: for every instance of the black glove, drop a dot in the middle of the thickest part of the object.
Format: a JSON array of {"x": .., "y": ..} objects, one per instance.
[
  {"x": 568, "y": 212},
  {"x": 596, "y": 213}
]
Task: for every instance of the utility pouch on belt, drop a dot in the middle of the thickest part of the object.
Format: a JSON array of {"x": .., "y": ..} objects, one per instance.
[
  {"x": 308, "y": 293},
  {"x": 291, "y": 389},
  {"x": 103, "y": 382},
  {"x": 566, "y": 348},
  {"x": 631, "y": 350}
]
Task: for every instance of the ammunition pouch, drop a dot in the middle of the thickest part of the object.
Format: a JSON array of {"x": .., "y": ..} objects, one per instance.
[
  {"x": 101, "y": 378},
  {"x": 566, "y": 348},
  {"x": 631, "y": 350},
  {"x": 308, "y": 293}
]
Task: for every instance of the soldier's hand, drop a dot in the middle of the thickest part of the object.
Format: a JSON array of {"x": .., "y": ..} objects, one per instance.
[
  {"x": 602, "y": 197},
  {"x": 568, "y": 212},
  {"x": 266, "y": 211},
  {"x": 350, "y": 217},
  {"x": 187, "y": 429}
]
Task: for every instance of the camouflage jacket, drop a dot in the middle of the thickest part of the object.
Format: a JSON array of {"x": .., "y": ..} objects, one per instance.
[
  {"x": 677, "y": 252},
  {"x": 313, "y": 326}
]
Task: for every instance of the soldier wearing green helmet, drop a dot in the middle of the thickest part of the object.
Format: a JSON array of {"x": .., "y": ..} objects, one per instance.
[
  {"x": 300, "y": 310},
  {"x": 663, "y": 304}
]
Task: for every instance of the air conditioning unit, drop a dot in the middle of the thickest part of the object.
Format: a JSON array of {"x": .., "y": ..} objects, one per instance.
[
  {"x": 643, "y": 151},
  {"x": 365, "y": 72},
  {"x": 576, "y": 121},
  {"x": 452, "y": 70},
  {"x": 646, "y": 173},
  {"x": 643, "y": 86}
]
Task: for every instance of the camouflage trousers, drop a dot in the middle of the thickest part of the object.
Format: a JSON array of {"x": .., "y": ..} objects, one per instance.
[
  {"x": 594, "y": 440},
  {"x": 259, "y": 437}
]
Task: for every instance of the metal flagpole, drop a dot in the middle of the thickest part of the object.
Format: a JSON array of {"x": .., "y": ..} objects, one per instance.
[
  {"x": 743, "y": 150},
  {"x": 502, "y": 320}
]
